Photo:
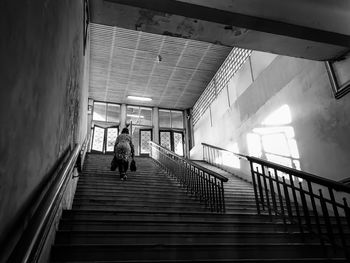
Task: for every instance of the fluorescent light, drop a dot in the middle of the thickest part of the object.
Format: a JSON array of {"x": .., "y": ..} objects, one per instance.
[
  {"x": 139, "y": 98},
  {"x": 136, "y": 116}
]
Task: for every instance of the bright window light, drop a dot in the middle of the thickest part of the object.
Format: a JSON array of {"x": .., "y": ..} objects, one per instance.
[
  {"x": 139, "y": 98},
  {"x": 254, "y": 144},
  {"x": 281, "y": 116}
]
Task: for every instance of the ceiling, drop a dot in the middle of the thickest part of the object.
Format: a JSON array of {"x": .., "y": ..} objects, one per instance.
[
  {"x": 126, "y": 62},
  {"x": 192, "y": 38},
  {"x": 311, "y": 29}
]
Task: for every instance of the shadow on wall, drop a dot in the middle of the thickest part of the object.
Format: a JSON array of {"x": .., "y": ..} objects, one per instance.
[{"x": 274, "y": 140}]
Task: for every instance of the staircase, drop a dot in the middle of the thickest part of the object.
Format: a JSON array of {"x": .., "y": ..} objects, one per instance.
[{"x": 150, "y": 218}]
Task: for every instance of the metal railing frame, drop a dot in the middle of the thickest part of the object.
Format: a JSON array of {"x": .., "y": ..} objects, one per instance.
[
  {"x": 298, "y": 197},
  {"x": 205, "y": 185}
]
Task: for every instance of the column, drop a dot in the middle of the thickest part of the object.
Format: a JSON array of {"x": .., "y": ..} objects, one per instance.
[
  {"x": 122, "y": 117},
  {"x": 155, "y": 120}
]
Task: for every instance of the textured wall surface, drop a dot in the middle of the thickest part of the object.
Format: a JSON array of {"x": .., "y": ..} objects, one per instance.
[
  {"x": 321, "y": 124},
  {"x": 42, "y": 65}
]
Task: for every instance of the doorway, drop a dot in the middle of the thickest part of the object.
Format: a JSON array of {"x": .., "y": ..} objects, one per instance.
[
  {"x": 103, "y": 139},
  {"x": 172, "y": 140}
]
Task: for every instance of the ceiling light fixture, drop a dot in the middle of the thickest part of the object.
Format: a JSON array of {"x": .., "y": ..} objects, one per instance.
[
  {"x": 139, "y": 98},
  {"x": 135, "y": 116}
]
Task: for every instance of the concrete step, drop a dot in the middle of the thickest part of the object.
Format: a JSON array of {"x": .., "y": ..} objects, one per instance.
[
  {"x": 165, "y": 216},
  {"x": 175, "y": 237},
  {"x": 276, "y": 260},
  {"x": 159, "y": 225},
  {"x": 188, "y": 252}
]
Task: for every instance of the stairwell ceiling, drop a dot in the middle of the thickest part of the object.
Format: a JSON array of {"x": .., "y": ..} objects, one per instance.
[
  {"x": 311, "y": 29},
  {"x": 172, "y": 71}
]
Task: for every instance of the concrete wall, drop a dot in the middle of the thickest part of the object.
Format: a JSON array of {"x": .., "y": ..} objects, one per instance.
[
  {"x": 320, "y": 123},
  {"x": 43, "y": 99}
]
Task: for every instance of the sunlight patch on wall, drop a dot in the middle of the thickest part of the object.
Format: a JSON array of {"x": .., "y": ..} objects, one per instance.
[
  {"x": 228, "y": 158},
  {"x": 274, "y": 139},
  {"x": 281, "y": 116}
]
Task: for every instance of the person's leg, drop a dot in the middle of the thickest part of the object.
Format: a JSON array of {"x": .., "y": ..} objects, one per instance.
[
  {"x": 121, "y": 168},
  {"x": 126, "y": 165},
  {"x": 125, "y": 168}
]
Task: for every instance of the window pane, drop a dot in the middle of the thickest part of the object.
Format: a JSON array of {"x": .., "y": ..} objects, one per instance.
[
  {"x": 99, "y": 111},
  {"x": 113, "y": 113},
  {"x": 177, "y": 119},
  {"x": 133, "y": 114},
  {"x": 139, "y": 116},
  {"x": 164, "y": 118},
  {"x": 146, "y": 118}
]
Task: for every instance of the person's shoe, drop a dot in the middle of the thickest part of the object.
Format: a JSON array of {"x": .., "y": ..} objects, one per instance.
[{"x": 125, "y": 177}]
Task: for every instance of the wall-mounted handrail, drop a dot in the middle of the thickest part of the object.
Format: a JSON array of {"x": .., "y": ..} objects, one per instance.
[
  {"x": 29, "y": 247},
  {"x": 299, "y": 197},
  {"x": 200, "y": 182}
]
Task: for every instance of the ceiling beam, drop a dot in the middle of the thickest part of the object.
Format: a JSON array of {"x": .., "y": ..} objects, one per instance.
[{"x": 225, "y": 27}]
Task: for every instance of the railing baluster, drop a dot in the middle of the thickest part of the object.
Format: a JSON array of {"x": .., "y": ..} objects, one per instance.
[
  {"x": 286, "y": 195},
  {"x": 255, "y": 187},
  {"x": 326, "y": 217},
  {"x": 304, "y": 205},
  {"x": 278, "y": 185},
  {"x": 314, "y": 208},
  {"x": 261, "y": 193},
  {"x": 223, "y": 196},
  {"x": 266, "y": 190},
  {"x": 296, "y": 204},
  {"x": 337, "y": 218},
  {"x": 216, "y": 194},
  {"x": 272, "y": 190},
  {"x": 213, "y": 196}
]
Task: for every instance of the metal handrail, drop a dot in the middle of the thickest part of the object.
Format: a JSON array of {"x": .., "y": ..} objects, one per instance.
[
  {"x": 29, "y": 247},
  {"x": 222, "y": 149},
  {"x": 302, "y": 198},
  {"x": 301, "y": 174},
  {"x": 217, "y": 175},
  {"x": 200, "y": 182}
]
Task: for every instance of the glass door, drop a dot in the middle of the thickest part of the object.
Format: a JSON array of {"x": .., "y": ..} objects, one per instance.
[
  {"x": 178, "y": 143},
  {"x": 98, "y": 136},
  {"x": 165, "y": 139},
  {"x": 103, "y": 139},
  {"x": 111, "y": 136},
  {"x": 145, "y": 138},
  {"x": 172, "y": 140}
]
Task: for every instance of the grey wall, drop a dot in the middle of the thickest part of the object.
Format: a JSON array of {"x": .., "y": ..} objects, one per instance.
[
  {"x": 43, "y": 100},
  {"x": 321, "y": 124}
]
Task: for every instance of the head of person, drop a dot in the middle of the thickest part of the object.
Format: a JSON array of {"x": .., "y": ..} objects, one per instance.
[{"x": 125, "y": 131}]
